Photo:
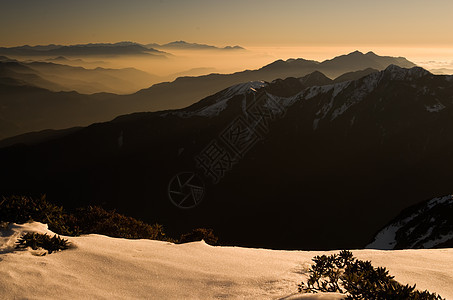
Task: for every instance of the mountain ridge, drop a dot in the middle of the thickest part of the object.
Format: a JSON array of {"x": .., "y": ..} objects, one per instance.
[
  {"x": 373, "y": 152},
  {"x": 179, "y": 93},
  {"x": 94, "y": 49},
  {"x": 183, "y": 45}
]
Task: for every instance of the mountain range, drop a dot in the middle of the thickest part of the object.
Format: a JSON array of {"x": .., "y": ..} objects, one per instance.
[
  {"x": 324, "y": 168},
  {"x": 182, "y": 45},
  {"x": 56, "y": 110},
  {"x": 109, "y": 49},
  {"x": 59, "y": 77},
  {"x": 97, "y": 49}
]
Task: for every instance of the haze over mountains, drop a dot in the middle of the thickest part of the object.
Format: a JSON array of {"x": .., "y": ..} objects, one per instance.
[
  {"x": 109, "y": 49},
  {"x": 29, "y": 105},
  {"x": 58, "y": 77},
  {"x": 99, "y": 49},
  {"x": 183, "y": 45},
  {"x": 349, "y": 155}
]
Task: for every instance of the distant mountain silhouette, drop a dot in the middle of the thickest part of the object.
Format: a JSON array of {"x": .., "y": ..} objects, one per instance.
[
  {"x": 182, "y": 45},
  {"x": 291, "y": 86},
  {"x": 16, "y": 73},
  {"x": 335, "y": 164},
  {"x": 27, "y": 108},
  {"x": 194, "y": 72},
  {"x": 117, "y": 49},
  {"x": 57, "y": 77},
  {"x": 82, "y": 110},
  {"x": 75, "y": 62},
  {"x": 359, "y": 61},
  {"x": 354, "y": 75},
  {"x": 189, "y": 89}
]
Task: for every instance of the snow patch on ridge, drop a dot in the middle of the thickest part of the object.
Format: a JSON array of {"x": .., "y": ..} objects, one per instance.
[
  {"x": 368, "y": 84},
  {"x": 222, "y": 103},
  {"x": 439, "y": 240},
  {"x": 436, "y": 107},
  {"x": 242, "y": 88},
  {"x": 386, "y": 238}
]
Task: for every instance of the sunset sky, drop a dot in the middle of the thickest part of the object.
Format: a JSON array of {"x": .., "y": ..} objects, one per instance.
[{"x": 246, "y": 22}]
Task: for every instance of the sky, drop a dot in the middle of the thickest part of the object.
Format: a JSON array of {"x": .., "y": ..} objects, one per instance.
[
  {"x": 252, "y": 23},
  {"x": 271, "y": 29}
]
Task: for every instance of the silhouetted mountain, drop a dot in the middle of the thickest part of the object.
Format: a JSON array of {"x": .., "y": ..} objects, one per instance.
[
  {"x": 185, "y": 90},
  {"x": 75, "y": 62},
  {"x": 182, "y": 92},
  {"x": 194, "y": 72},
  {"x": 122, "y": 48},
  {"x": 16, "y": 73},
  {"x": 57, "y": 77},
  {"x": 5, "y": 59},
  {"x": 291, "y": 86},
  {"x": 32, "y": 138},
  {"x": 354, "y": 75},
  {"x": 425, "y": 225},
  {"x": 28, "y": 108},
  {"x": 348, "y": 156},
  {"x": 182, "y": 45},
  {"x": 356, "y": 61}
]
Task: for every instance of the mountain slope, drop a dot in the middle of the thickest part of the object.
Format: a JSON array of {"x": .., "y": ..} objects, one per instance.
[
  {"x": 350, "y": 155},
  {"x": 185, "y": 90},
  {"x": 27, "y": 108},
  {"x": 426, "y": 225},
  {"x": 182, "y": 92},
  {"x": 354, "y": 75}
]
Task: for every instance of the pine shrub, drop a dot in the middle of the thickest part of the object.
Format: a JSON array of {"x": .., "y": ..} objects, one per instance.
[
  {"x": 91, "y": 219},
  {"x": 22, "y": 209},
  {"x": 37, "y": 240},
  {"x": 357, "y": 279},
  {"x": 94, "y": 219}
]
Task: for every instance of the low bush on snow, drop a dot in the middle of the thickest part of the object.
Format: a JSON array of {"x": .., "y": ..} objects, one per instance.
[
  {"x": 357, "y": 279},
  {"x": 37, "y": 240}
]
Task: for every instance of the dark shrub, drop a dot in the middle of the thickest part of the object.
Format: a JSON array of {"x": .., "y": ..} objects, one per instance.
[
  {"x": 95, "y": 219},
  {"x": 36, "y": 240},
  {"x": 21, "y": 209},
  {"x": 357, "y": 279},
  {"x": 199, "y": 234},
  {"x": 3, "y": 225}
]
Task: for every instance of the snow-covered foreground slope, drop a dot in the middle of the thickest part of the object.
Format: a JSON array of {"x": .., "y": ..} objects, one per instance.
[{"x": 100, "y": 267}]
